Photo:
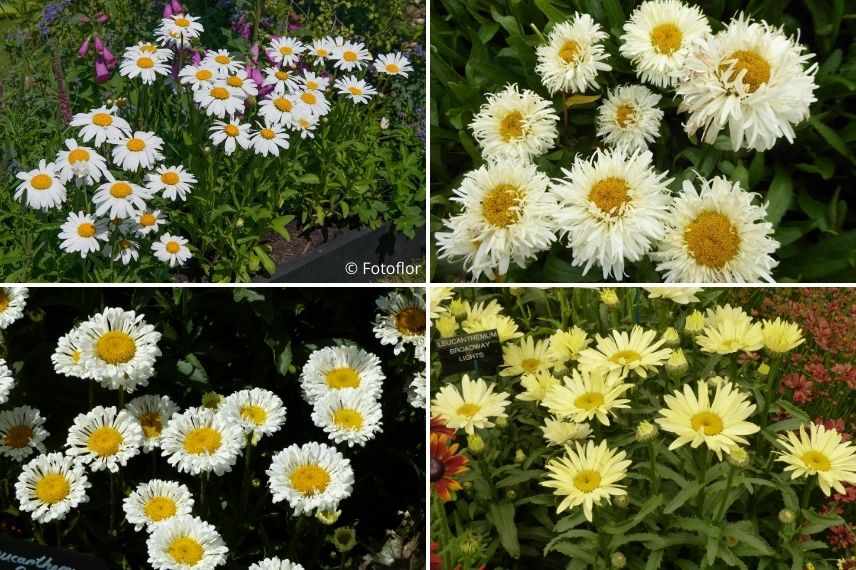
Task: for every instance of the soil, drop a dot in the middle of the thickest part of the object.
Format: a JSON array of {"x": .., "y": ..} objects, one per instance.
[{"x": 283, "y": 250}]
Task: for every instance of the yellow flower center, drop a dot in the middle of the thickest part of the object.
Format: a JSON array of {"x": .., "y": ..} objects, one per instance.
[
  {"x": 173, "y": 247},
  {"x": 267, "y": 134},
  {"x": 283, "y": 104},
  {"x": 343, "y": 378},
  {"x": 309, "y": 98},
  {"x": 160, "y": 508},
  {"x": 105, "y": 441},
  {"x": 145, "y": 63},
  {"x": 281, "y": 75},
  {"x": 4, "y": 300},
  {"x": 757, "y": 69},
  {"x": 321, "y": 52},
  {"x": 86, "y": 230},
  {"x": 120, "y": 190},
  {"x": 223, "y": 59},
  {"x": 610, "y": 194},
  {"x": 310, "y": 479},
  {"x": 41, "y": 181},
  {"x": 78, "y": 155},
  {"x": 512, "y": 126},
  {"x": 392, "y": 68},
  {"x": 304, "y": 124},
  {"x": 52, "y": 488},
  {"x": 355, "y": 91},
  {"x": 468, "y": 410},
  {"x": 314, "y": 85},
  {"x": 116, "y": 347},
  {"x": 625, "y": 115},
  {"x": 254, "y": 413},
  {"x": 148, "y": 48},
  {"x": 708, "y": 422},
  {"x": 587, "y": 480},
  {"x": 186, "y": 550},
  {"x": 569, "y": 51},
  {"x": 182, "y": 22},
  {"x": 348, "y": 418},
  {"x": 666, "y": 38},
  {"x": 625, "y": 357},
  {"x": 286, "y": 50},
  {"x": 102, "y": 119},
  {"x": 350, "y": 56},
  {"x": 231, "y": 130},
  {"x": 152, "y": 424},
  {"x": 136, "y": 145},
  {"x": 712, "y": 239},
  {"x": 202, "y": 440},
  {"x": 500, "y": 205},
  {"x": 220, "y": 93},
  {"x": 589, "y": 401},
  {"x": 18, "y": 437},
  {"x": 148, "y": 219},
  {"x": 816, "y": 461},
  {"x": 530, "y": 364},
  {"x": 75, "y": 356},
  {"x": 169, "y": 178},
  {"x": 410, "y": 320},
  {"x": 204, "y": 74},
  {"x": 234, "y": 81}
]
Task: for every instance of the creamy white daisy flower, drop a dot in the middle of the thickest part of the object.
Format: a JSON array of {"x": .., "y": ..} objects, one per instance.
[
  {"x": 636, "y": 351},
  {"x": 155, "y": 502},
  {"x": 716, "y": 234},
  {"x": 220, "y": 99},
  {"x": 7, "y": 381},
  {"x": 22, "y": 433},
  {"x": 275, "y": 564},
  {"x": 393, "y": 64},
  {"x": 508, "y": 217},
  {"x": 139, "y": 150},
  {"x": 231, "y": 135},
  {"x": 146, "y": 67},
  {"x": 313, "y": 101},
  {"x": 322, "y": 49},
  {"x": 104, "y": 438},
  {"x": 303, "y": 122},
  {"x": 149, "y": 221},
  {"x": 629, "y": 118},
  {"x": 81, "y": 233},
  {"x": 750, "y": 79},
  {"x": 313, "y": 476},
  {"x": 529, "y": 356},
  {"x": 148, "y": 48},
  {"x": 515, "y": 124},
  {"x": 68, "y": 355},
  {"x": 573, "y": 56},
  {"x": 181, "y": 29},
  {"x": 120, "y": 199},
  {"x": 13, "y": 301},
  {"x": 41, "y": 188},
  {"x": 172, "y": 249},
  {"x": 282, "y": 80},
  {"x": 314, "y": 82},
  {"x": 101, "y": 125},
  {"x": 472, "y": 407},
  {"x": 199, "y": 77},
  {"x": 259, "y": 412},
  {"x": 348, "y": 416},
  {"x": 401, "y": 320},
  {"x": 659, "y": 38},
  {"x": 241, "y": 81},
  {"x": 80, "y": 163},
  {"x": 173, "y": 181},
  {"x": 417, "y": 392},
  {"x": 279, "y": 108},
  {"x": 613, "y": 209},
  {"x": 199, "y": 440},
  {"x": 350, "y": 55},
  {"x": 585, "y": 396},
  {"x": 269, "y": 139},
  {"x": 50, "y": 485},
  {"x": 123, "y": 250},
  {"x": 357, "y": 89},
  {"x": 336, "y": 368},
  {"x": 285, "y": 51},
  {"x": 153, "y": 413},
  {"x": 222, "y": 61},
  {"x": 819, "y": 451},
  {"x": 558, "y": 432},
  {"x": 186, "y": 543},
  {"x": 678, "y": 295},
  {"x": 728, "y": 330}
]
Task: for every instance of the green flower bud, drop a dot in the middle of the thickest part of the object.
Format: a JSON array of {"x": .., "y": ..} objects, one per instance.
[
  {"x": 618, "y": 560},
  {"x": 475, "y": 443},
  {"x": 787, "y": 516}
]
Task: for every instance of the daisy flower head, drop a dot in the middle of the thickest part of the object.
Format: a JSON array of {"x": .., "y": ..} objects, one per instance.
[
  {"x": 529, "y": 356},
  {"x": 231, "y": 135},
  {"x": 143, "y": 65},
  {"x": 507, "y": 217},
  {"x": 659, "y": 38},
  {"x": 68, "y": 355},
  {"x": 13, "y": 301},
  {"x": 566, "y": 345},
  {"x": 470, "y": 408},
  {"x": 153, "y": 413},
  {"x": 303, "y": 122},
  {"x": 172, "y": 249},
  {"x": 285, "y": 51},
  {"x": 41, "y": 188},
  {"x": 393, "y": 64},
  {"x": 241, "y": 81},
  {"x": 313, "y": 101},
  {"x": 587, "y": 475},
  {"x": 348, "y": 417},
  {"x": 282, "y": 80},
  {"x": 559, "y": 432},
  {"x": 536, "y": 385},
  {"x": 751, "y": 80},
  {"x": 279, "y": 108},
  {"x": 310, "y": 80},
  {"x": 222, "y": 61},
  {"x": 573, "y": 56},
  {"x": 123, "y": 250},
  {"x": 180, "y": 30},
  {"x": 120, "y": 199},
  {"x": 417, "y": 391},
  {"x": 199, "y": 440},
  {"x": 401, "y": 320},
  {"x": 186, "y": 543},
  {"x": 350, "y": 55},
  {"x": 275, "y": 564},
  {"x": 119, "y": 349},
  {"x": 637, "y": 351},
  {"x": 629, "y": 118},
  {"x": 716, "y": 235},
  {"x": 258, "y": 412},
  {"x": 199, "y": 77},
  {"x": 337, "y": 368},
  {"x": 81, "y": 233},
  {"x": 220, "y": 99},
  {"x": 819, "y": 451},
  {"x": 139, "y": 150},
  {"x": 50, "y": 485},
  {"x": 310, "y": 477},
  {"x": 322, "y": 49},
  {"x": 781, "y": 336},
  {"x": 101, "y": 125},
  {"x": 269, "y": 139},
  {"x": 80, "y": 163},
  {"x": 728, "y": 330},
  {"x": 149, "y": 221},
  {"x": 613, "y": 208},
  {"x": 147, "y": 48},
  {"x": 678, "y": 295},
  {"x": 173, "y": 181},
  {"x": 515, "y": 124},
  {"x": 155, "y": 502},
  {"x": 104, "y": 438},
  {"x": 719, "y": 422},
  {"x": 22, "y": 432},
  {"x": 585, "y": 396},
  {"x": 357, "y": 89}
]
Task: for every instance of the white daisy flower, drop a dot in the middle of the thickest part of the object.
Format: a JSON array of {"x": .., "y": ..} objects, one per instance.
[
  {"x": 313, "y": 101},
  {"x": 172, "y": 249},
  {"x": 149, "y": 221},
  {"x": 348, "y": 416},
  {"x": 80, "y": 163},
  {"x": 230, "y": 135},
  {"x": 104, "y": 438},
  {"x": 322, "y": 49},
  {"x": 200, "y": 440},
  {"x": 220, "y": 100},
  {"x": 174, "y": 181},
  {"x": 393, "y": 64},
  {"x": 68, "y": 355},
  {"x": 573, "y": 56},
  {"x": 629, "y": 118},
  {"x": 417, "y": 392},
  {"x": 222, "y": 61},
  {"x": 285, "y": 51},
  {"x": 119, "y": 348},
  {"x": 278, "y": 108},
  {"x": 148, "y": 48},
  {"x": 42, "y": 187},
  {"x": 49, "y": 486},
  {"x": 140, "y": 150},
  {"x": 199, "y": 77},
  {"x": 612, "y": 208},
  {"x": 269, "y": 139},
  {"x": 357, "y": 89},
  {"x": 313, "y": 82},
  {"x": 145, "y": 66},
  {"x": 13, "y": 300},
  {"x": 282, "y": 80},
  {"x": 243, "y": 83},
  {"x": 515, "y": 124},
  {"x": 120, "y": 199},
  {"x": 336, "y": 368},
  {"x": 153, "y": 413},
  {"x": 351, "y": 55},
  {"x": 259, "y": 412},
  {"x": 155, "y": 502},
  {"x": 401, "y": 320},
  {"x": 717, "y": 235},
  {"x": 750, "y": 79},
  {"x": 7, "y": 381},
  {"x": 22, "y": 432},
  {"x": 659, "y": 38},
  {"x": 275, "y": 564},
  {"x": 81, "y": 233},
  {"x": 101, "y": 125},
  {"x": 303, "y": 122},
  {"x": 508, "y": 217},
  {"x": 186, "y": 543},
  {"x": 180, "y": 29},
  {"x": 123, "y": 250},
  {"x": 313, "y": 476}
]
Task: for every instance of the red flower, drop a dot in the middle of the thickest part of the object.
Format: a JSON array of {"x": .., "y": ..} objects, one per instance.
[
  {"x": 446, "y": 463},
  {"x": 436, "y": 561},
  {"x": 439, "y": 426}
]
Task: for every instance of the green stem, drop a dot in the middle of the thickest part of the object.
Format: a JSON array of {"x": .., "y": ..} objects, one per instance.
[
  {"x": 702, "y": 479},
  {"x": 772, "y": 388},
  {"x": 248, "y": 459},
  {"x": 723, "y": 505},
  {"x": 112, "y": 501},
  {"x": 655, "y": 479},
  {"x": 806, "y": 496},
  {"x": 440, "y": 509}
]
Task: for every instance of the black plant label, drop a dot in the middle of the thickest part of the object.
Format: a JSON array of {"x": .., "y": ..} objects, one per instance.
[
  {"x": 478, "y": 352},
  {"x": 22, "y": 555}
]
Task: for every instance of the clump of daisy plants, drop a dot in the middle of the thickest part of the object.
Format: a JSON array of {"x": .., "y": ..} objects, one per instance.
[
  {"x": 651, "y": 140},
  {"x": 633, "y": 428},
  {"x": 202, "y": 451}
]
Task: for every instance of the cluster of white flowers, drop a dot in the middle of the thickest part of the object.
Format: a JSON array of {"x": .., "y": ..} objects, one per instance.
[{"x": 401, "y": 321}]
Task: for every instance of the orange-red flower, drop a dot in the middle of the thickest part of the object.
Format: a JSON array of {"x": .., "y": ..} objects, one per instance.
[
  {"x": 439, "y": 426},
  {"x": 446, "y": 463}
]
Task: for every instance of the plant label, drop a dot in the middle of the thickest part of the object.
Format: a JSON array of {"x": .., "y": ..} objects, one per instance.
[
  {"x": 478, "y": 352},
  {"x": 22, "y": 555}
]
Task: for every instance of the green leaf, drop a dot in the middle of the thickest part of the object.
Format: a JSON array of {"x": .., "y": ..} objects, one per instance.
[
  {"x": 278, "y": 225},
  {"x": 309, "y": 179},
  {"x": 831, "y": 137},
  {"x": 646, "y": 509},
  {"x": 682, "y": 497},
  {"x": 283, "y": 362},
  {"x": 816, "y": 523},
  {"x": 191, "y": 367},
  {"x": 520, "y": 477},
  {"x": 265, "y": 259},
  {"x": 779, "y": 196},
  {"x": 241, "y": 294},
  {"x": 501, "y": 515},
  {"x": 745, "y": 532},
  {"x": 793, "y": 410}
]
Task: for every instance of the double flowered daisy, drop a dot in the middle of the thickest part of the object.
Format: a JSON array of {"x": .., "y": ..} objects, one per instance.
[
  {"x": 258, "y": 412},
  {"x": 104, "y": 438},
  {"x": 80, "y": 163},
  {"x": 153, "y": 413},
  {"x": 101, "y": 125},
  {"x": 781, "y": 336},
  {"x": 585, "y": 396},
  {"x": 41, "y": 188},
  {"x": 172, "y": 249},
  {"x": 186, "y": 543},
  {"x": 728, "y": 330},
  {"x": 417, "y": 391},
  {"x": 174, "y": 182},
  {"x": 470, "y": 408},
  {"x": 155, "y": 502},
  {"x": 82, "y": 233},
  {"x": 275, "y": 564},
  {"x": 68, "y": 355},
  {"x": 50, "y": 485},
  {"x": 573, "y": 56},
  {"x": 13, "y": 301},
  {"x": 22, "y": 432},
  {"x": 401, "y": 320},
  {"x": 822, "y": 452},
  {"x": 636, "y": 351},
  {"x": 200, "y": 440},
  {"x": 348, "y": 417},
  {"x": 629, "y": 118},
  {"x": 119, "y": 198},
  {"x": 310, "y": 477},
  {"x": 337, "y": 368}
]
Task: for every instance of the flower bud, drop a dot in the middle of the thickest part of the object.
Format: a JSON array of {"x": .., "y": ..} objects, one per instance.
[
  {"x": 787, "y": 516},
  {"x": 694, "y": 323},
  {"x": 764, "y": 369},
  {"x": 501, "y": 421},
  {"x": 671, "y": 337},
  {"x": 618, "y": 560},
  {"x": 519, "y": 456},
  {"x": 646, "y": 431},
  {"x": 622, "y": 501},
  {"x": 475, "y": 443},
  {"x": 677, "y": 364},
  {"x": 447, "y": 325},
  {"x": 609, "y": 297},
  {"x": 328, "y": 517},
  {"x": 738, "y": 456},
  {"x": 511, "y": 494},
  {"x": 211, "y": 400},
  {"x": 458, "y": 307}
]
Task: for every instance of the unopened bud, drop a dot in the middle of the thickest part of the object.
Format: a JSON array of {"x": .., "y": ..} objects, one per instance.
[
  {"x": 618, "y": 560},
  {"x": 501, "y": 421},
  {"x": 694, "y": 323},
  {"x": 671, "y": 337},
  {"x": 609, "y": 297},
  {"x": 328, "y": 517},
  {"x": 519, "y": 456},
  {"x": 475, "y": 443},
  {"x": 764, "y": 369},
  {"x": 646, "y": 431},
  {"x": 677, "y": 364},
  {"x": 738, "y": 456},
  {"x": 447, "y": 325},
  {"x": 622, "y": 501},
  {"x": 511, "y": 494},
  {"x": 458, "y": 307},
  {"x": 787, "y": 516}
]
